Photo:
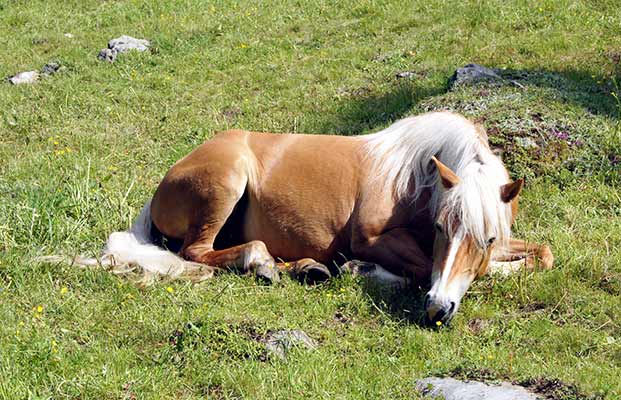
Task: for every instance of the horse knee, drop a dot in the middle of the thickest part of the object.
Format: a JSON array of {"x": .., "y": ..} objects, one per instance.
[
  {"x": 256, "y": 253},
  {"x": 258, "y": 259}
]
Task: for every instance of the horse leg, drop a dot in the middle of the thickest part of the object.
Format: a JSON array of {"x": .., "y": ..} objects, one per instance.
[
  {"x": 374, "y": 272},
  {"x": 306, "y": 270},
  {"x": 248, "y": 257},
  {"x": 200, "y": 236},
  {"x": 521, "y": 254}
]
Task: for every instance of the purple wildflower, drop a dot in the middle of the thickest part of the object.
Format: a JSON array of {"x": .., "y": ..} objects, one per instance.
[{"x": 562, "y": 135}]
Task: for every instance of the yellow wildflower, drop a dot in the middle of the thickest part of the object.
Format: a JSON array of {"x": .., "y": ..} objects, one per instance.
[
  {"x": 39, "y": 308},
  {"x": 170, "y": 290},
  {"x": 64, "y": 290},
  {"x": 438, "y": 323}
]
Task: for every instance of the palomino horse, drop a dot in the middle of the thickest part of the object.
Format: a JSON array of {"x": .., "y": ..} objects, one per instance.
[{"x": 243, "y": 200}]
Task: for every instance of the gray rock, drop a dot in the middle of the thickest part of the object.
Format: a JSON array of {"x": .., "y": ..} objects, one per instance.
[
  {"x": 108, "y": 55},
  {"x": 50, "y": 68},
  {"x": 126, "y": 43},
  {"x": 279, "y": 343},
  {"x": 405, "y": 74},
  {"x": 24, "y": 77},
  {"x": 526, "y": 142},
  {"x": 453, "y": 389},
  {"x": 471, "y": 74},
  {"x": 122, "y": 44}
]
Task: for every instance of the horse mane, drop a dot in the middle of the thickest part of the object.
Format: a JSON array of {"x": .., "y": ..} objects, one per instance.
[{"x": 400, "y": 158}]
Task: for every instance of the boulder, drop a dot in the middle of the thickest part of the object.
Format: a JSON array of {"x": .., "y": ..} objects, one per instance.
[
  {"x": 122, "y": 44},
  {"x": 453, "y": 389},
  {"x": 24, "y": 77},
  {"x": 471, "y": 74},
  {"x": 279, "y": 343}
]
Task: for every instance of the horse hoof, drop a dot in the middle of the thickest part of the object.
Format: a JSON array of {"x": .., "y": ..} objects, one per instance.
[
  {"x": 314, "y": 273},
  {"x": 267, "y": 274}
]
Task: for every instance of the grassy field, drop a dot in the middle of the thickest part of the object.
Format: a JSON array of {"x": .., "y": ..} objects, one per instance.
[{"x": 81, "y": 151}]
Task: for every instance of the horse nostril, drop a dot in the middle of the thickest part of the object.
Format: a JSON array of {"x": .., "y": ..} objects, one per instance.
[{"x": 452, "y": 307}]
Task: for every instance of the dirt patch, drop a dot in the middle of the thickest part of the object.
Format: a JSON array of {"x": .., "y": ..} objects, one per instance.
[
  {"x": 341, "y": 318},
  {"x": 231, "y": 114},
  {"x": 555, "y": 389},
  {"x": 476, "y": 374},
  {"x": 614, "y": 56},
  {"x": 478, "y": 325},
  {"x": 533, "y": 307},
  {"x": 610, "y": 283}
]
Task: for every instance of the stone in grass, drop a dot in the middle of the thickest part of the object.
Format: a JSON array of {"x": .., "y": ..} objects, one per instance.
[
  {"x": 50, "y": 68},
  {"x": 471, "y": 74},
  {"x": 121, "y": 45},
  {"x": 24, "y": 77},
  {"x": 126, "y": 43},
  {"x": 453, "y": 389},
  {"x": 33, "y": 76},
  {"x": 279, "y": 343},
  {"x": 108, "y": 55}
]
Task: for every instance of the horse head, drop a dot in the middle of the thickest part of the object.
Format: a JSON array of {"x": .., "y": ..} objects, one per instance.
[{"x": 473, "y": 217}]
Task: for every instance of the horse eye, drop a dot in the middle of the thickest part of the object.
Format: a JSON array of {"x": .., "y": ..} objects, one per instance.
[
  {"x": 490, "y": 241},
  {"x": 438, "y": 227}
]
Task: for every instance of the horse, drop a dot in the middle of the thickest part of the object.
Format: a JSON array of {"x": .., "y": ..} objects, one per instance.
[{"x": 424, "y": 200}]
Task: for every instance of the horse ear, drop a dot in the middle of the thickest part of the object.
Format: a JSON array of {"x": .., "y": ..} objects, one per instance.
[
  {"x": 510, "y": 191},
  {"x": 448, "y": 177}
]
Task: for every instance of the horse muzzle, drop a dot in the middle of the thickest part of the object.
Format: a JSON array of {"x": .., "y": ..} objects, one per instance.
[{"x": 439, "y": 311}]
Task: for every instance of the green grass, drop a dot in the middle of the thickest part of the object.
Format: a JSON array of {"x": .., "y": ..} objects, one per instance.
[{"x": 81, "y": 151}]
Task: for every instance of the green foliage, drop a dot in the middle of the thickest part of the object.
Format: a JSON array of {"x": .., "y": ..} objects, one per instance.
[{"x": 82, "y": 150}]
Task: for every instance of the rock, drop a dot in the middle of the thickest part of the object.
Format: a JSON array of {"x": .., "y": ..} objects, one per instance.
[
  {"x": 405, "y": 74},
  {"x": 471, "y": 74},
  {"x": 526, "y": 142},
  {"x": 279, "y": 343},
  {"x": 50, "y": 68},
  {"x": 24, "y": 77},
  {"x": 108, "y": 55},
  {"x": 122, "y": 44},
  {"x": 453, "y": 389},
  {"x": 126, "y": 43}
]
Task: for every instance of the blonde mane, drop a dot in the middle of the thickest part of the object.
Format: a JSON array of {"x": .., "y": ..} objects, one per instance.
[{"x": 400, "y": 157}]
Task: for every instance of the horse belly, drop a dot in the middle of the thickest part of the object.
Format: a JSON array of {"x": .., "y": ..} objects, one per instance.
[{"x": 292, "y": 233}]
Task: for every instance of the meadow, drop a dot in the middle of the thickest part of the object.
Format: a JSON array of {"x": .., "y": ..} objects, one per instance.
[{"x": 82, "y": 150}]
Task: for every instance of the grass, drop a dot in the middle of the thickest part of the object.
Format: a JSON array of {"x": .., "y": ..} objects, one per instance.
[{"x": 82, "y": 150}]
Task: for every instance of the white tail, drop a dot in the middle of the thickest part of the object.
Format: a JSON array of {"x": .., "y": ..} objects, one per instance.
[{"x": 132, "y": 253}]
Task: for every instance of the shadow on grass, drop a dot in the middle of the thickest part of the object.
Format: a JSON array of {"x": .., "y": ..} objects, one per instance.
[
  {"x": 594, "y": 93},
  {"x": 398, "y": 304},
  {"x": 362, "y": 110}
]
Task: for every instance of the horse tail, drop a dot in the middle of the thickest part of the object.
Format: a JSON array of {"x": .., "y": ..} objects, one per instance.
[{"x": 133, "y": 254}]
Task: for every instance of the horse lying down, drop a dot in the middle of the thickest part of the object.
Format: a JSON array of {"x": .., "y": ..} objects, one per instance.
[{"x": 425, "y": 199}]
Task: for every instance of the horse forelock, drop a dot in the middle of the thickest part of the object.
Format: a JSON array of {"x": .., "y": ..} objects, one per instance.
[
  {"x": 400, "y": 157},
  {"x": 475, "y": 203}
]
